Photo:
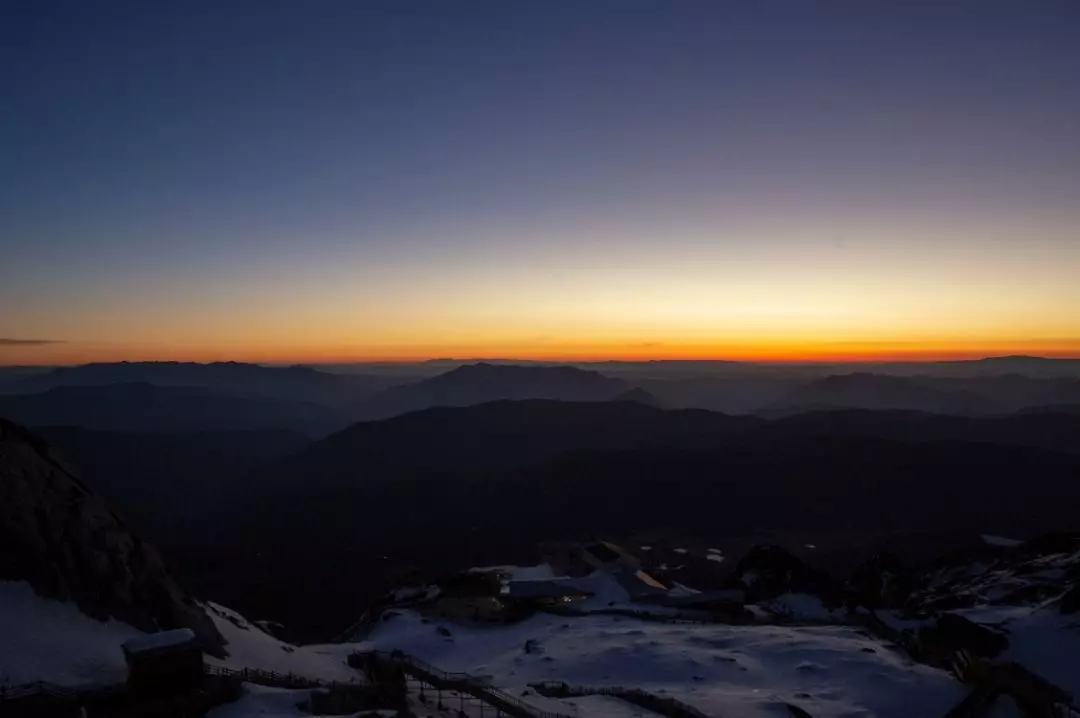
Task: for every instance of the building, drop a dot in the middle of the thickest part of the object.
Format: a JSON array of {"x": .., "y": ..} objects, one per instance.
[
  {"x": 165, "y": 663},
  {"x": 542, "y": 593},
  {"x": 470, "y": 608}
]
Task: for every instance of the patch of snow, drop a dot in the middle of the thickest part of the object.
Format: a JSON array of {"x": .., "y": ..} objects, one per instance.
[
  {"x": 733, "y": 671},
  {"x": 604, "y": 587},
  {"x": 1004, "y": 707},
  {"x": 802, "y": 605},
  {"x": 604, "y": 707},
  {"x": 161, "y": 639},
  {"x": 679, "y": 590},
  {"x": 681, "y": 550},
  {"x": 251, "y": 647},
  {"x": 263, "y": 701},
  {"x": 810, "y": 546},
  {"x": 894, "y": 620},
  {"x": 541, "y": 572},
  {"x": 715, "y": 557},
  {"x": 407, "y": 593},
  {"x": 645, "y": 548},
  {"x": 46, "y": 640},
  {"x": 992, "y": 540},
  {"x": 1040, "y": 638}
]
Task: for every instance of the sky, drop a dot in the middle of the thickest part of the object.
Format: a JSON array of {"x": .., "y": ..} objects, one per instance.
[{"x": 337, "y": 180}]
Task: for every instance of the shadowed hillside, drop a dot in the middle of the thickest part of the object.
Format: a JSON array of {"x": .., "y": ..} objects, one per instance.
[
  {"x": 59, "y": 537},
  {"x": 479, "y": 383}
]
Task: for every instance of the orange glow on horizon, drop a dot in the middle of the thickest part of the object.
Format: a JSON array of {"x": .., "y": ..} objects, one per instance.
[{"x": 568, "y": 351}]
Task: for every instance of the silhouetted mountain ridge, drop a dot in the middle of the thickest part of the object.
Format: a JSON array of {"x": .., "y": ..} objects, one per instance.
[
  {"x": 478, "y": 383},
  {"x": 497, "y": 435},
  {"x": 879, "y": 391},
  {"x": 172, "y": 485},
  {"x": 467, "y": 486},
  {"x": 296, "y": 383},
  {"x": 149, "y": 407}
]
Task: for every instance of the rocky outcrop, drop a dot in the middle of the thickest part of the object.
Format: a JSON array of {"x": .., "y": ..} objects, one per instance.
[
  {"x": 953, "y": 633},
  {"x": 768, "y": 571},
  {"x": 59, "y": 537},
  {"x": 882, "y": 581}
]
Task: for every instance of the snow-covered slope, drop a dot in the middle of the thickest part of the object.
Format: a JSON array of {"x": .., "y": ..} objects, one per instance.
[
  {"x": 262, "y": 701},
  {"x": 1027, "y": 592},
  {"x": 1041, "y": 639},
  {"x": 1024, "y": 575},
  {"x": 251, "y": 647},
  {"x": 46, "y": 640},
  {"x": 734, "y": 671}
]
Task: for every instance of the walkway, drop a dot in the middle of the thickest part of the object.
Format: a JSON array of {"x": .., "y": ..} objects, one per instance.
[
  {"x": 461, "y": 682},
  {"x": 670, "y": 707},
  {"x": 60, "y": 698}
]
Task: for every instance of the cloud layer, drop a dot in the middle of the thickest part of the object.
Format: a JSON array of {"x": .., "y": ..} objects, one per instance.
[{"x": 9, "y": 342}]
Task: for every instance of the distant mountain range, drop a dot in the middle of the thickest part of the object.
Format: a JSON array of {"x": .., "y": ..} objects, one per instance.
[
  {"x": 446, "y": 486},
  {"x": 244, "y": 513},
  {"x": 292, "y": 383},
  {"x": 318, "y": 402},
  {"x": 507, "y": 434},
  {"x": 956, "y": 396},
  {"x": 881, "y": 392},
  {"x": 148, "y": 407},
  {"x": 478, "y": 383},
  {"x": 172, "y": 486},
  {"x": 1033, "y": 366}
]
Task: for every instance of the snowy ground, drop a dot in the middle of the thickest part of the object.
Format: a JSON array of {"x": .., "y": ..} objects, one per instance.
[
  {"x": 541, "y": 572},
  {"x": 803, "y": 606},
  {"x": 46, "y": 640},
  {"x": 250, "y": 647},
  {"x": 1040, "y": 638},
  {"x": 734, "y": 671},
  {"x": 262, "y": 701}
]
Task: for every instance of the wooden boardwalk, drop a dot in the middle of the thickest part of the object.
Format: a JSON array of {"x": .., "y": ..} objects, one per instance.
[{"x": 463, "y": 683}]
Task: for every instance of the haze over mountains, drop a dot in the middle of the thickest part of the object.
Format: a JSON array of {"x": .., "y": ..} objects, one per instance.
[
  {"x": 241, "y": 473},
  {"x": 186, "y": 396}
]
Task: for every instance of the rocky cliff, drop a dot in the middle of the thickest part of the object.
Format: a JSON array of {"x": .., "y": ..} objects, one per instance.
[{"x": 59, "y": 537}]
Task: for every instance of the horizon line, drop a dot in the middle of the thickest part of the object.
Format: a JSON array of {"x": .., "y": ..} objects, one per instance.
[{"x": 566, "y": 361}]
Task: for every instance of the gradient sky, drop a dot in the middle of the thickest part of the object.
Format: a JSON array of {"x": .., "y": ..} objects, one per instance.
[{"x": 355, "y": 179}]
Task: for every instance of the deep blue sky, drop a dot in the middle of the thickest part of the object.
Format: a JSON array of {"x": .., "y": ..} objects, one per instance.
[{"x": 363, "y": 178}]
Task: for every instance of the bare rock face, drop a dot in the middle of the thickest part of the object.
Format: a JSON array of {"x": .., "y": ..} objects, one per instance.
[{"x": 59, "y": 537}]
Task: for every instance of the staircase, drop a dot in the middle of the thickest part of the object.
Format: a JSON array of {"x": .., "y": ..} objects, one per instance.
[
  {"x": 461, "y": 682},
  {"x": 47, "y": 699},
  {"x": 272, "y": 679}
]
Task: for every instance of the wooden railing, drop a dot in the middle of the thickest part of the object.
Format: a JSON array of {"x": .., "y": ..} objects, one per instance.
[
  {"x": 272, "y": 679},
  {"x": 462, "y": 682},
  {"x": 36, "y": 688},
  {"x": 664, "y": 705}
]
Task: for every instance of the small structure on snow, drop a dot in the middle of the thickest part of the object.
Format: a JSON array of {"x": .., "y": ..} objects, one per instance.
[
  {"x": 164, "y": 663},
  {"x": 474, "y": 608}
]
